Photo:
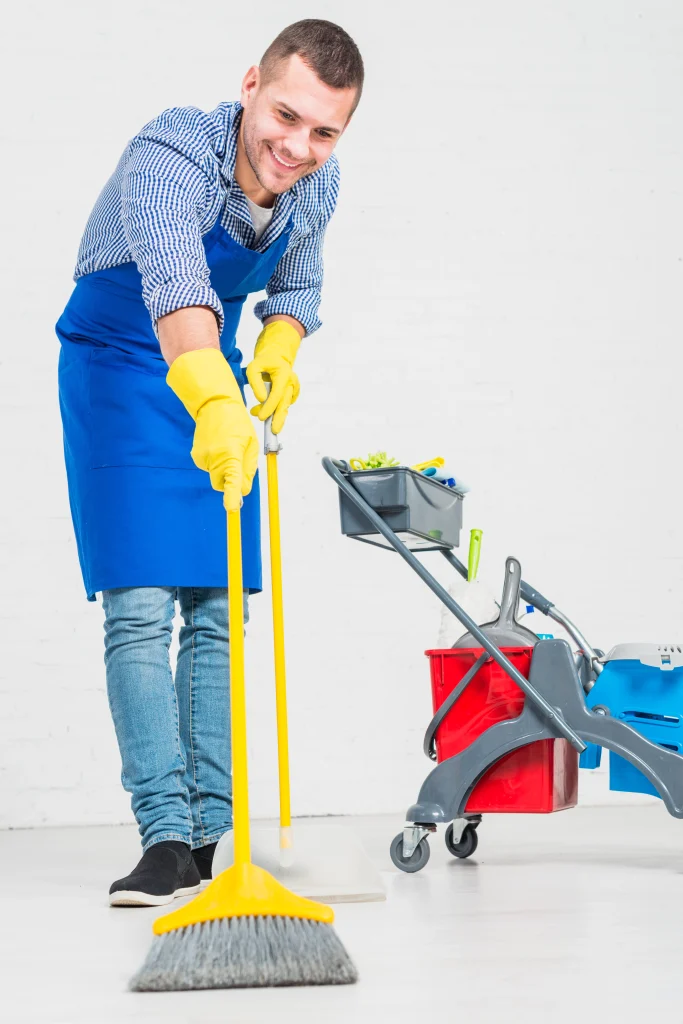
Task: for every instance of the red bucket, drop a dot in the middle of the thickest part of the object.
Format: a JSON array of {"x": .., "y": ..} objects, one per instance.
[{"x": 536, "y": 779}]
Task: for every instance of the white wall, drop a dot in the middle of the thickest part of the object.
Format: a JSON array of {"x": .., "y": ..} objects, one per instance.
[{"x": 503, "y": 287}]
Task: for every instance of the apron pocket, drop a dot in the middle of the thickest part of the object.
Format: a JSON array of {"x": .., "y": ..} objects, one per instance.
[{"x": 135, "y": 418}]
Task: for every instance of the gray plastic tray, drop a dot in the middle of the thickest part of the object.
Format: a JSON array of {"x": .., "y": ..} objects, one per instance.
[{"x": 425, "y": 514}]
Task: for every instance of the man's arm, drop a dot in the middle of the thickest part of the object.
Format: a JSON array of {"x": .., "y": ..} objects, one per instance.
[
  {"x": 294, "y": 290},
  {"x": 187, "y": 329},
  {"x": 196, "y": 327},
  {"x": 296, "y": 324},
  {"x": 166, "y": 191},
  {"x": 289, "y": 314}
]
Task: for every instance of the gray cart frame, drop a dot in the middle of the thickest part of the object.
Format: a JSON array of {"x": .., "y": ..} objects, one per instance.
[{"x": 555, "y": 707}]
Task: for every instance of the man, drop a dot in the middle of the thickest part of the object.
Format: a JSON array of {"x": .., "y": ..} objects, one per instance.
[{"x": 202, "y": 210}]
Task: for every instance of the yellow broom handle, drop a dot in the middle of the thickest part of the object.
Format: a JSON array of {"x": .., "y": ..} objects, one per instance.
[
  {"x": 279, "y": 640},
  {"x": 238, "y": 708}
]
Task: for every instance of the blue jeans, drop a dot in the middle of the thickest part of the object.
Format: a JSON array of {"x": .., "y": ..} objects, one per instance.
[{"x": 173, "y": 735}]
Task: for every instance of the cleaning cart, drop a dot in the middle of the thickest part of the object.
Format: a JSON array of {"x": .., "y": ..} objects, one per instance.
[{"x": 525, "y": 713}]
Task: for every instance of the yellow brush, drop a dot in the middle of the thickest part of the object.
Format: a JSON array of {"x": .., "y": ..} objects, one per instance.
[{"x": 245, "y": 929}]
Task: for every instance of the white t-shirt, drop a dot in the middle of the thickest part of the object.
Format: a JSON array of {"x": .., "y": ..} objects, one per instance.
[{"x": 260, "y": 217}]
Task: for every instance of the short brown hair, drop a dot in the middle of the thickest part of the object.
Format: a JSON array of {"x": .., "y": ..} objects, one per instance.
[{"x": 327, "y": 49}]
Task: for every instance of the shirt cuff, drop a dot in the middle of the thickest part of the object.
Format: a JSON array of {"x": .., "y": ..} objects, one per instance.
[
  {"x": 303, "y": 306},
  {"x": 180, "y": 294}
]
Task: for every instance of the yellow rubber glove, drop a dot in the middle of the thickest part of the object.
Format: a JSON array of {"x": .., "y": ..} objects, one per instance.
[
  {"x": 274, "y": 355},
  {"x": 225, "y": 442}
]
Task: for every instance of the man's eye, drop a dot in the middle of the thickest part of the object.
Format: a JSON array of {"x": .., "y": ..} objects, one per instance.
[
  {"x": 287, "y": 116},
  {"x": 325, "y": 135}
]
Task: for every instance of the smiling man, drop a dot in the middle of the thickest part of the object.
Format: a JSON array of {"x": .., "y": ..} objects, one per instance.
[{"x": 202, "y": 210}]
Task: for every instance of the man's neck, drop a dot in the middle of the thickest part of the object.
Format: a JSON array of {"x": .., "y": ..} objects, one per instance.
[{"x": 247, "y": 180}]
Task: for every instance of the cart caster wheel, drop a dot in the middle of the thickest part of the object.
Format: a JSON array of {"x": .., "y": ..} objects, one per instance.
[
  {"x": 416, "y": 861},
  {"x": 467, "y": 845}
]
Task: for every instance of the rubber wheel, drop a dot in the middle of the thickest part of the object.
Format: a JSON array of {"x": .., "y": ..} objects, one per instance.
[
  {"x": 419, "y": 857},
  {"x": 467, "y": 845}
]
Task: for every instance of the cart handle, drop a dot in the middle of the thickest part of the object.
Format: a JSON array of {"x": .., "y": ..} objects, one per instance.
[
  {"x": 338, "y": 470},
  {"x": 534, "y": 597},
  {"x": 530, "y": 595}
]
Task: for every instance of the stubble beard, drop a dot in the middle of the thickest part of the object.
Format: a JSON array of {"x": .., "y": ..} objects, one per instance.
[{"x": 251, "y": 149}]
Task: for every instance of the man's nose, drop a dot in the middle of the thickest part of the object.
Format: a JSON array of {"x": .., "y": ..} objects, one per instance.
[{"x": 296, "y": 144}]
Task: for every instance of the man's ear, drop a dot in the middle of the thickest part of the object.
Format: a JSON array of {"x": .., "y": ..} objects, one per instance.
[{"x": 250, "y": 83}]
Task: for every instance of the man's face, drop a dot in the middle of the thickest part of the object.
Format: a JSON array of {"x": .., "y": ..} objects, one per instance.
[{"x": 291, "y": 123}]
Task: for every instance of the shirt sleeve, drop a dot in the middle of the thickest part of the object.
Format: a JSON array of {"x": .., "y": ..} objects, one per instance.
[
  {"x": 296, "y": 285},
  {"x": 165, "y": 191}
]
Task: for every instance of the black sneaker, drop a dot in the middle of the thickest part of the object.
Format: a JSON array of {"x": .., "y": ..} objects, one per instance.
[
  {"x": 167, "y": 870},
  {"x": 203, "y": 858}
]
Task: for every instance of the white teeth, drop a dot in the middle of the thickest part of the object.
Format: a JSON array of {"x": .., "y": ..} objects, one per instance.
[{"x": 288, "y": 166}]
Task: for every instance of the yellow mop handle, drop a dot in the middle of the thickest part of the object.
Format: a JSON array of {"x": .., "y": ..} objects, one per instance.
[
  {"x": 238, "y": 708},
  {"x": 279, "y": 645}
]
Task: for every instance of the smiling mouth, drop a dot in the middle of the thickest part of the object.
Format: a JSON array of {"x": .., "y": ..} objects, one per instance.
[{"x": 282, "y": 163}]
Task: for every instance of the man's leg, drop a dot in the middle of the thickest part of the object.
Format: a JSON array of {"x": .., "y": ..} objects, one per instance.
[
  {"x": 142, "y": 698},
  {"x": 203, "y": 687}
]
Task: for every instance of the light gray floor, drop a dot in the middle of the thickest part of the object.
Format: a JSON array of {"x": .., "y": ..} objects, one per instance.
[{"x": 573, "y": 916}]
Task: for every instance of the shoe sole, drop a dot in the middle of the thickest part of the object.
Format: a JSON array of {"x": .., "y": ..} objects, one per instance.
[{"x": 132, "y": 898}]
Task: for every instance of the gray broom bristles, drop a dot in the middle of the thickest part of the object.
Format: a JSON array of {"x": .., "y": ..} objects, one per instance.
[{"x": 245, "y": 952}]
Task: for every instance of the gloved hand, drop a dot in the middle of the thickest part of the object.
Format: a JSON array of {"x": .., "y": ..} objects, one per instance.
[
  {"x": 274, "y": 355},
  {"x": 225, "y": 442}
]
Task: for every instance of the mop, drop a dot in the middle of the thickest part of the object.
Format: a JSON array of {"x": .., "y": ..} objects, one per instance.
[
  {"x": 324, "y": 862},
  {"x": 245, "y": 930}
]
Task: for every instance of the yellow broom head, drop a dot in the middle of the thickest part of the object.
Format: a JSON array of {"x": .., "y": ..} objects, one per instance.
[
  {"x": 243, "y": 890},
  {"x": 245, "y": 930}
]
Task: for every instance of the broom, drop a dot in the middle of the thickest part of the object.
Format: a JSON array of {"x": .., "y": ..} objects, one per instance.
[{"x": 245, "y": 930}]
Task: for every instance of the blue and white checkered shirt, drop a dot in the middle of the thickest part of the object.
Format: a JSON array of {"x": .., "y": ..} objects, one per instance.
[{"x": 174, "y": 181}]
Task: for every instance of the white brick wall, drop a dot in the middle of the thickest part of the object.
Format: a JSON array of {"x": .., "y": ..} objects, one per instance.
[{"x": 503, "y": 287}]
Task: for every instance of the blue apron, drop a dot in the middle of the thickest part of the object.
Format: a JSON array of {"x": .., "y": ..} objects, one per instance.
[{"x": 143, "y": 514}]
